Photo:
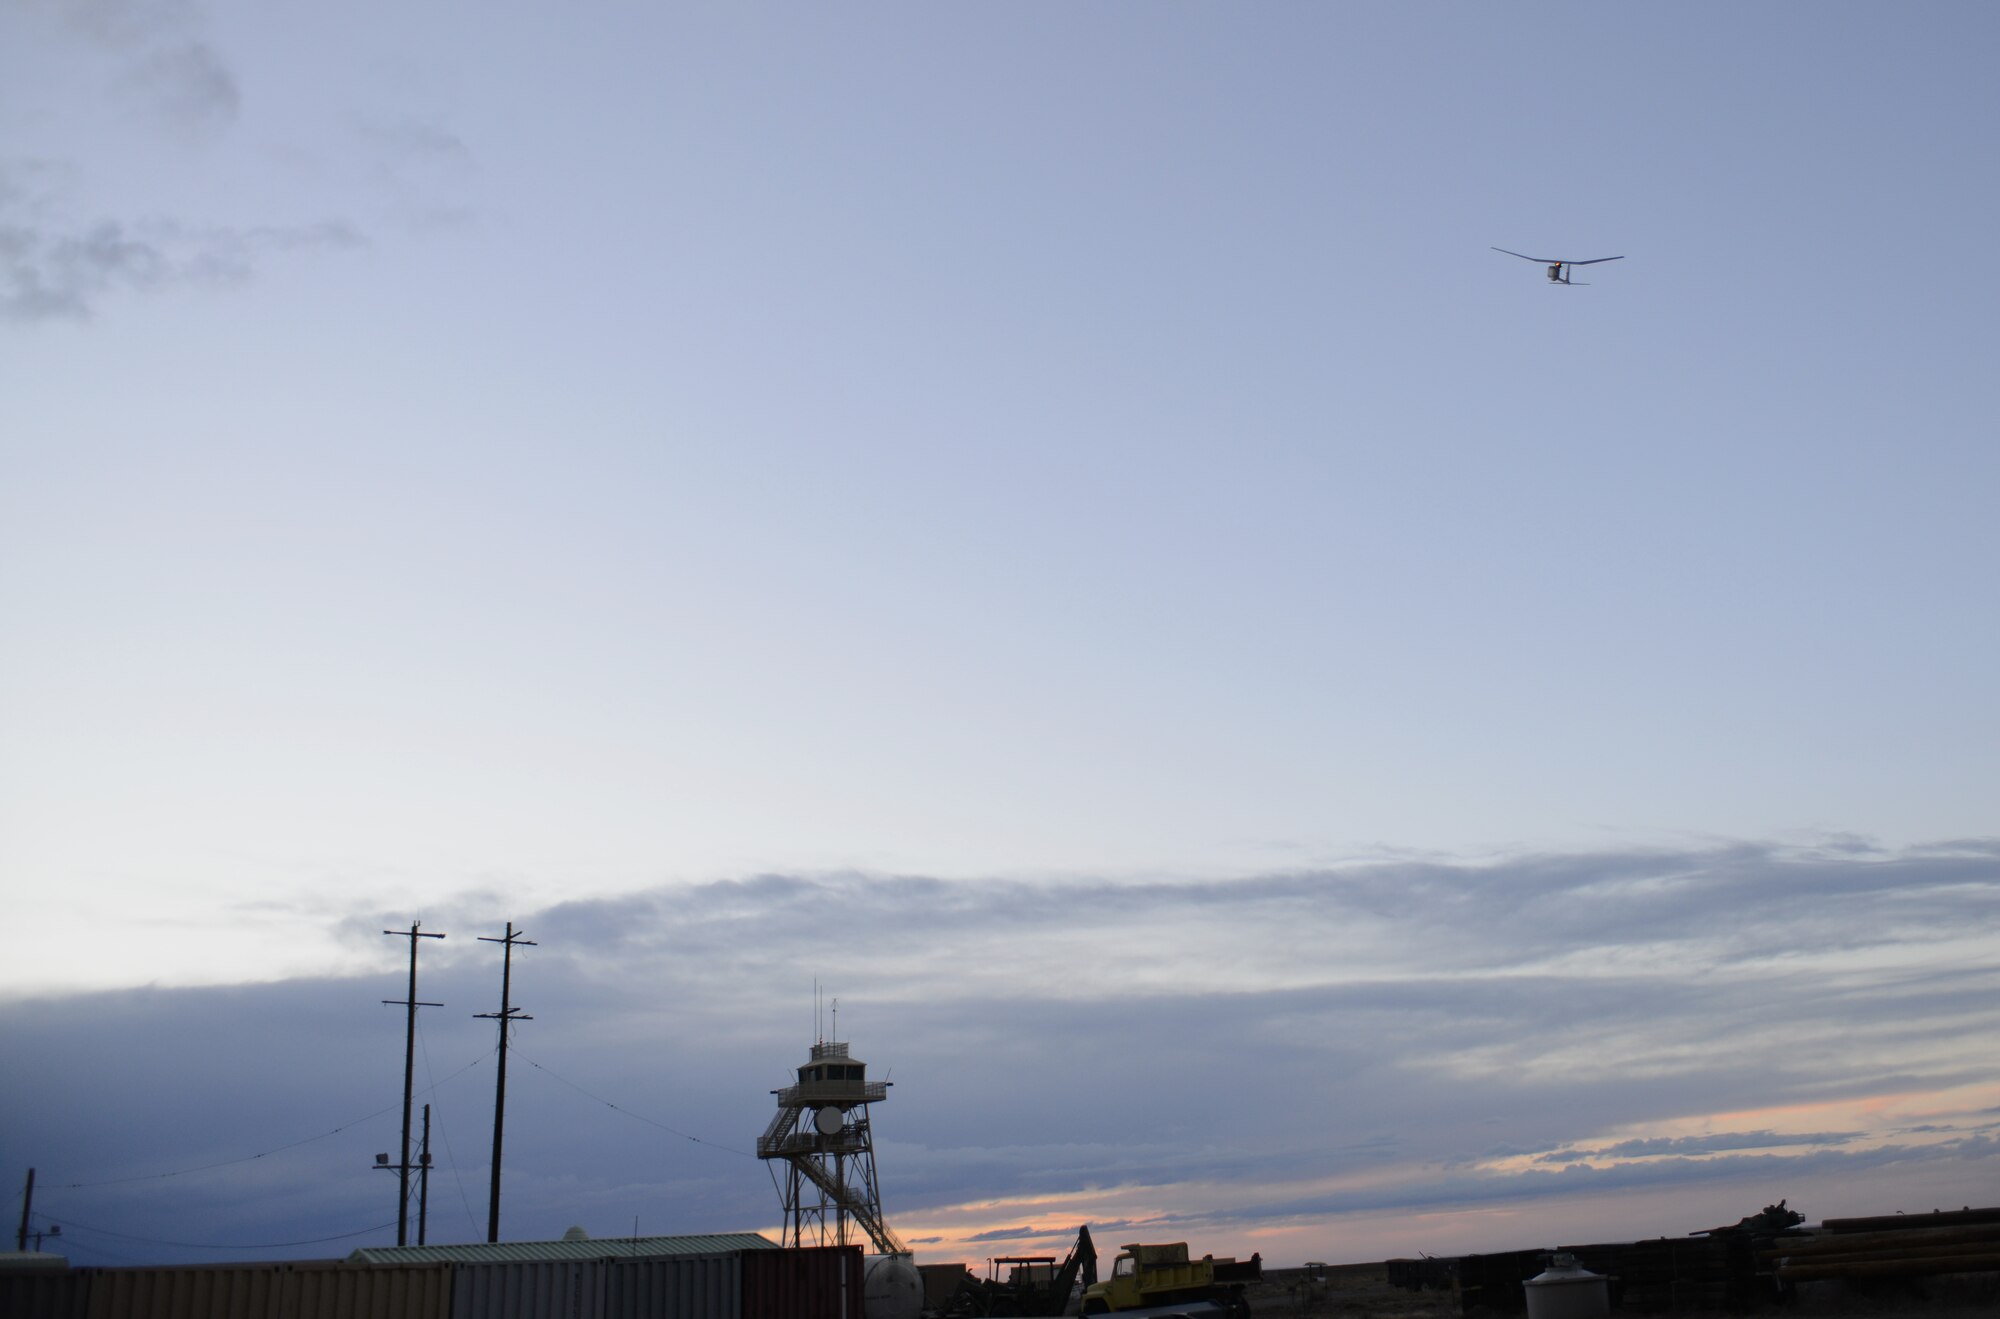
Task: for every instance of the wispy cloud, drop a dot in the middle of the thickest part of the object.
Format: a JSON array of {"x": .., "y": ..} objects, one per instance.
[
  {"x": 62, "y": 258},
  {"x": 1661, "y": 1146},
  {"x": 421, "y": 167},
  {"x": 163, "y": 64},
  {"x": 187, "y": 85},
  {"x": 57, "y": 268}
]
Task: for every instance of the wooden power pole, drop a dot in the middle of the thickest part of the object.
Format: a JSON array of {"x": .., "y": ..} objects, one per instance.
[
  {"x": 507, "y": 1014},
  {"x": 409, "y": 1078}
]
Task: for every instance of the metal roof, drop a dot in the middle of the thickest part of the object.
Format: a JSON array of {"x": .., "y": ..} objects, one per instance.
[{"x": 481, "y": 1252}]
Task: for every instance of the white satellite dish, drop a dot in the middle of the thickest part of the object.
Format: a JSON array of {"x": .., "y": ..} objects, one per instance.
[{"x": 829, "y": 1120}]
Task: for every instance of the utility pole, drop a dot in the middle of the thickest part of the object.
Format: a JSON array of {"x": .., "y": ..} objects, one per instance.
[
  {"x": 409, "y": 1077},
  {"x": 507, "y": 1013},
  {"x": 27, "y": 1204},
  {"x": 424, "y": 1181}
]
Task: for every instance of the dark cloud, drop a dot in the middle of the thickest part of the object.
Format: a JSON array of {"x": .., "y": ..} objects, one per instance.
[
  {"x": 1007, "y": 1234},
  {"x": 1378, "y": 1039},
  {"x": 1706, "y": 1144}
]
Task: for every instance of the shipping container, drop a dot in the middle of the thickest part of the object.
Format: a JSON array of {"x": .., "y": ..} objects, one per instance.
[
  {"x": 220, "y": 1291},
  {"x": 680, "y": 1287},
  {"x": 231, "y": 1291},
  {"x": 529, "y": 1289},
  {"x": 344, "y": 1291},
  {"x": 811, "y": 1282},
  {"x": 44, "y": 1294}
]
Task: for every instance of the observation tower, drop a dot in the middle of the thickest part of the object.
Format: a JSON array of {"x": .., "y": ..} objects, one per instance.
[{"x": 821, "y": 1132}]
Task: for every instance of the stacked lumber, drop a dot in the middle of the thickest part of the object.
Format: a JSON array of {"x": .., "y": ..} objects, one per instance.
[{"x": 1903, "y": 1245}]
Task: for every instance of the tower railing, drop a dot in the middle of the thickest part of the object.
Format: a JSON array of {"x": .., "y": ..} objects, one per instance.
[{"x": 811, "y": 1094}]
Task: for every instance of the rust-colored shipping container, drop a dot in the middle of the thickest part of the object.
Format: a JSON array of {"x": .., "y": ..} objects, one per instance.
[{"x": 811, "y": 1282}]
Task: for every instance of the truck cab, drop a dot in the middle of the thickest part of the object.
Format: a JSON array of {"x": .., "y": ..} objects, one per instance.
[{"x": 1145, "y": 1276}]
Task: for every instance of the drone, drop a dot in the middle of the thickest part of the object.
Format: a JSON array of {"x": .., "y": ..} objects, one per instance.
[{"x": 1559, "y": 270}]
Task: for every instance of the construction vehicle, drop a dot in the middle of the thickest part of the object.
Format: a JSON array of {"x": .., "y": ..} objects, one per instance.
[
  {"x": 1026, "y": 1284},
  {"x": 1157, "y": 1277}
]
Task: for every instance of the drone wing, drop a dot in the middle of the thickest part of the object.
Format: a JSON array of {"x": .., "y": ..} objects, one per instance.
[{"x": 1558, "y": 261}]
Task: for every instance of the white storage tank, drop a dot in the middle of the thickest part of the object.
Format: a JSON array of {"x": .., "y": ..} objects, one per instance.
[
  {"x": 1567, "y": 1290},
  {"x": 893, "y": 1288}
]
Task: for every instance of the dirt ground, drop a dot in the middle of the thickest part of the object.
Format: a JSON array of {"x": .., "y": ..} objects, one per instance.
[
  {"x": 1345, "y": 1292},
  {"x": 1363, "y": 1292}
]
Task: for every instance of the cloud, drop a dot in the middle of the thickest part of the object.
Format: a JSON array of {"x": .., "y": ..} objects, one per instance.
[
  {"x": 1529, "y": 1187},
  {"x": 1218, "y": 1057},
  {"x": 53, "y": 267},
  {"x": 411, "y": 140},
  {"x": 162, "y": 64},
  {"x": 1707, "y": 1144},
  {"x": 124, "y": 24},
  {"x": 157, "y": 61},
  {"x": 421, "y": 167},
  {"x": 188, "y": 86}
]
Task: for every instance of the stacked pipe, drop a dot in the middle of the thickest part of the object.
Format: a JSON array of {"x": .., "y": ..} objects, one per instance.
[{"x": 1902, "y": 1245}]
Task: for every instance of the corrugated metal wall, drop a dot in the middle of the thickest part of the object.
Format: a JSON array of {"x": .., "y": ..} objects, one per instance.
[
  {"x": 670, "y": 1287},
  {"x": 242, "y": 1291},
  {"x": 340, "y": 1291},
  {"x": 684, "y": 1287},
  {"x": 542, "y": 1289},
  {"x": 816, "y": 1282},
  {"x": 42, "y": 1295}
]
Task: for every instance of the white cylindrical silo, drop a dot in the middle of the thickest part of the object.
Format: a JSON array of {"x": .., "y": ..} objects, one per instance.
[{"x": 1567, "y": 1290}]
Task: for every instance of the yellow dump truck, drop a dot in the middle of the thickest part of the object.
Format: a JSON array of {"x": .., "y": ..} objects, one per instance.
[{"x": 1147, "y": 1277}]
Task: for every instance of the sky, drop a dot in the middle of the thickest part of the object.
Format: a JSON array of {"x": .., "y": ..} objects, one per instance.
[{"x": 1052, "y": 524}]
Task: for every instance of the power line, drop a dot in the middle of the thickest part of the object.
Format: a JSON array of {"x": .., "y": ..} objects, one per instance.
[
  {"x": 457, "y": 1173},
  {"x": 97, "y": 1251},
  {"x": 276, "y": 1149},
  {"x": 203, "y": 1245},
  {"x": 636, "y": 1117}
]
